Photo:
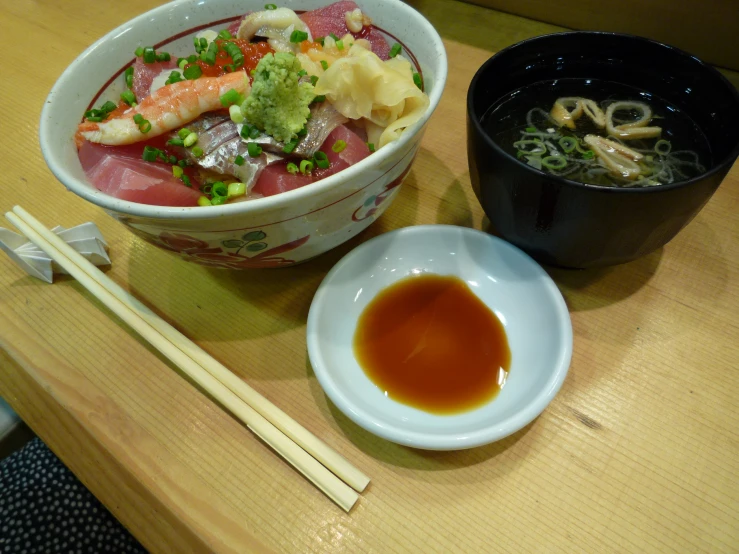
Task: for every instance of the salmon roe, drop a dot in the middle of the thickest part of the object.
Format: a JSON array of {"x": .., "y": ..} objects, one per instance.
[{"x": 253, "y": 52}]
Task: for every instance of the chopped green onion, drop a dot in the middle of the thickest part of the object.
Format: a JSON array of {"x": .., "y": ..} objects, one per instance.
[
  {"x": 537, "y": 147},
  {"x": 235, "y": 53},
  {"x": 183, "y": 133},
  {"x": 236, "y": 189},
  {"x": 218, "y": 200},
  {"x": 371, "y": 146},
  {"x": 203, "y": 43},
  {"x": 196, "y": 151},
  {"x": 144, "y": 125},
  {"x": 320, "y": 40},
  {"x": 128, "y": 75},
  {"x": 235, "y": 113},
  {"x": 204, "y": 201},
  {"x": 333, "y": 36},
  {"x": 249, "y": 131},
  {"x": 303, "y": 131},
  {"x": 568, "y": 144},
  {"x": 270, "y": 6},
  {"x": 150, "y": 154},
  {"x": 321, "y": 160},
  {"x": 108, "y": 107},
  {"x": 182, "y": 163},
  {"x": 163, "y": 57},
  {"x": 139, "y": 51},
  {"x": 531, "y": 129},
  {"x": 186, "y": 180},
  {"x": 192, "y": 58},
  {"x": 239, "y": 160},
  {"x": 340, "y": 44},
  {"x": 196, "y": 44},
  {"x": 306, "y": 167},
  {"x": 190, "y": 140},
  {"x": 290, "y": 146},
  {"x": 313, "y": 79},
  {"x": 291, "y": 168},
  {"x": 254, "y": 149},
  {"x": 205, "y": 189},
  {"x": 177, "y": 171},
  {"x": 662, "y": 147},
  {"x": 210, "y": 54},
  {"x": 149, "y": 55},
  {"x": 192, "y": 72},
  {"x": 339, "y": 146},
  {"x": 174, "y": 77},
  {"x": 172, "y": 160},
  {"x": 320, "y": 98},
  {"x": 554, "y": 162},
  {"x": 302, "y": 73},
  {"x": 324, "y": 65},
  {"x": 395, "y": 50},
  {"x": 94, "y": 118},
  {"x": 230, "y": 97},
  {"x": 219, "y": 189},
  {"x": 417, "y": 79},
  {"x": 298, "y": 36},
  {"x": 588, "y": 155},
  {"x": 128, "y": 97},
  {"x": 225, "y": 34},
  {"x": 176, "y": 142}
]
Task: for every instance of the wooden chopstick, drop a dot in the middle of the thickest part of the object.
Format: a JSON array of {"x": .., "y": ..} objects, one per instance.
[
  {"x": 200, "y": 368},
  {"x": 309, "y": 442}
]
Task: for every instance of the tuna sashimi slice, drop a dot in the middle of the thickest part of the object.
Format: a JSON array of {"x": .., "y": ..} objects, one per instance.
[
  {"x": 121, "y": 173},
  {"x": 332, "y": 19},
  {"x": 275, "y": 179},
  {"x": 144, "y": 74}
]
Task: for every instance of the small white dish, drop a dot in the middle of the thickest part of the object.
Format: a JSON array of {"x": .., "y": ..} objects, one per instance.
[{"x": 509, "y": 282}]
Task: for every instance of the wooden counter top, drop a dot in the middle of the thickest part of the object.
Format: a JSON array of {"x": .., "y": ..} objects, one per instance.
[{"x": 639, "y": 451}]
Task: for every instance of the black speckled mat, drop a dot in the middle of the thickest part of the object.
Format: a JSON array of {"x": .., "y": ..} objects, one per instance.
[{"x": 44, "y": 508}]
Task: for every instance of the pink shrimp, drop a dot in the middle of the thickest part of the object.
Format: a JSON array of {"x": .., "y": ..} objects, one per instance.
[{"x": 167, "y": 108}]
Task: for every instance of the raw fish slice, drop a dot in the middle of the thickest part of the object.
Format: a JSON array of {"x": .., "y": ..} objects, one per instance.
[
  {"x": 332, "y": 19},
  {"x": 120, "y": 172},
  {"x": 324, "y": 119},
  {"x": 221, "y": 143},
  {"x": 142, "y": 182},
  {"x": 144, "y": 73},
  {"x": 91, "y": 153},
  {"x": 275, "y": 179}
]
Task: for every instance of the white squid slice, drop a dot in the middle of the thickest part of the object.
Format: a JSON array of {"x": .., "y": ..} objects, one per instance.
[{"x": 276, "y": 26}]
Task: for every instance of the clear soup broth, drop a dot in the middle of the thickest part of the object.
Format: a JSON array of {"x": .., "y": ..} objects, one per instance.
[{"x": 599, "y": 132}]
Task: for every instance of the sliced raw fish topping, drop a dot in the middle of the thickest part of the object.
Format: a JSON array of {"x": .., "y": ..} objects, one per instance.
[
  {"x": 144, "y": 74},
  {"x": 275, "y": 179},
  {"x": 121, "y": 173},
  {"x": 332, "y": 19}
]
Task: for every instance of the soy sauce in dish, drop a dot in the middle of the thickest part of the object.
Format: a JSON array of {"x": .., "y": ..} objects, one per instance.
[{"x": 429, "y": 342}]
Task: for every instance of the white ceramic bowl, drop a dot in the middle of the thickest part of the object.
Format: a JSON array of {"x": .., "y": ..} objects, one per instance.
[
  {"x": 509, "y": 282},
  {"x": 269, "y": 232}
]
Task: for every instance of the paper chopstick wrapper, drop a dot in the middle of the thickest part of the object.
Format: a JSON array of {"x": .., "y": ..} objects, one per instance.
[{"x": 85, "y": 239}]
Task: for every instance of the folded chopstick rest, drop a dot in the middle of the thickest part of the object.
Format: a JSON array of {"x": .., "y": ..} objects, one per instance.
[{"x": 85, "y": 239}]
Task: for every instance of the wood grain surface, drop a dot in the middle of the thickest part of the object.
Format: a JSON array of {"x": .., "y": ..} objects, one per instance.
[
  {"x": 639, "y": 452},
  {"x": 707, "y": 29}
]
